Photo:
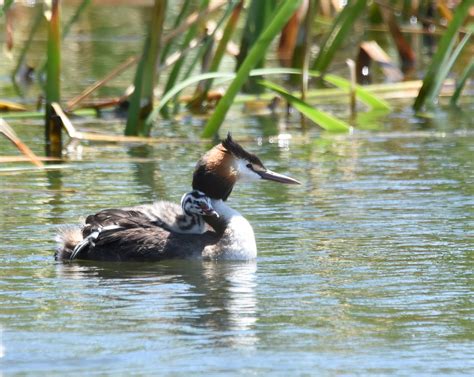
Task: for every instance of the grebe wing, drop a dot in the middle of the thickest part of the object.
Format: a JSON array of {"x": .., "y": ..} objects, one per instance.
[
  {"x": 145, "y": 244},
  {"x": 117, "y": 218}
]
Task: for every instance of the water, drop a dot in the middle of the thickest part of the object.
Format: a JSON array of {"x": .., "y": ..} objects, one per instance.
[{"x": 364, "y": 269}]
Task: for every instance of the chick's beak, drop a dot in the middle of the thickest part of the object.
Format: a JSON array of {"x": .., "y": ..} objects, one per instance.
[
  {"x": 209, "y": 211},
  {"x": 272, "y": 176}
]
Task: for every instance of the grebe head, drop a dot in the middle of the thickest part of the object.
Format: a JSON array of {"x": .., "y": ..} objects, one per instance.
[
  {"x": 197, "y": 203},
  {"x": 220, "y": 168}
]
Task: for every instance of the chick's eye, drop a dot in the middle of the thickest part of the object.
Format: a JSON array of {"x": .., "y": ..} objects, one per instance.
[{"x": 250, "y": 166}]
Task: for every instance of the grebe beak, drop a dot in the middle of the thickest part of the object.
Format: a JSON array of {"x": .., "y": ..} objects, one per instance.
[{"x": 272, "y": 176}]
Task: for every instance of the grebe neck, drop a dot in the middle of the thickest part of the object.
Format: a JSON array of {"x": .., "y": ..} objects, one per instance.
[{"x": 237, "y": 239}]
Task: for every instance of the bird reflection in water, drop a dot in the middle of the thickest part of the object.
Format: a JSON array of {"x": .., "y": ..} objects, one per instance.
[{"x": 215, "y": 300}]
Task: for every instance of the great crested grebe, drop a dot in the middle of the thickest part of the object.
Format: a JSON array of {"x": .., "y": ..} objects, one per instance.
[{"x": 138, "y": 234}]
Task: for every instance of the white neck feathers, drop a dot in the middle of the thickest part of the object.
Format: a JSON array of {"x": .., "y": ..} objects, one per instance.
[{"x": 238, "y": 240}]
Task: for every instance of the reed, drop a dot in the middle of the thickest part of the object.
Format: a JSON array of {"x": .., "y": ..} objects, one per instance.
[
  {"x": 259, "y": 15},
  {"x": 202, "y": 90},
  {"x": 141, "y": 103},
  {"x": 340, "y": 28},
  {"x": 205, "y": 51},
  {"x": 38, "y": 18},
  {"x": 176, "y": 70},
  {"x": 362, "y": 94},
  {"x": 8, "y": 132},
  {"x": 254, "y": 56},
  {"x": 53, "y": 77},
  {"x": 468, "y": 72},
  {"x": 321, "y": 118},
  {"x": 444, "y": 57},
  {"x": 264, "y": 21}
]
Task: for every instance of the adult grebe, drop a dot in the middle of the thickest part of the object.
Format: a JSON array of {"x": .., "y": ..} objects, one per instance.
[
  {"x": 131, "y": 235},
  {"x": 185, "y": 219}
]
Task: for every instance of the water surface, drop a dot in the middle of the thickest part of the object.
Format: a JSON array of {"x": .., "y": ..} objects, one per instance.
[{"x": 366, "y": 268}]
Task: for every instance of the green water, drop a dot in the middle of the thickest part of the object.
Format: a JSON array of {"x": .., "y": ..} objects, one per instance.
[{"x": 364, "y": 269}]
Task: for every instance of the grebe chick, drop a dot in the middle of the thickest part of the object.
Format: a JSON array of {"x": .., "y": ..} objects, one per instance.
[{"x": 187, "y": 218}]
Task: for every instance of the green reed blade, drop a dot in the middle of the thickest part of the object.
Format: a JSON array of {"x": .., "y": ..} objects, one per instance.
[
  {"x": 67, "y": 28},
  {"x": 439, "y": 67},
  {"x": 201, "y": 91},
  {"x": 257, "y": 52},
  {"x": 34, "y": 27},
  {"x": 141, "y": 103},
  {"x": 362, "y": 94},
  {"x": 184, "y": 10},
  {"x": 446, "y": 68},
  {"x": 468, "y": 72},
  {"x": 53, "y": 69},
  {"x": 341, "y": 27},
  {"x": 175, "y": 72},
  {"x": 53, "y": 73},
  {"x": 321, "y": 118},
  {"x": 6, "y": 5},
  {"x": 206, "y": 47},
  {"x": 259, "y": 16},
  {"x": 75, "y": 17}
]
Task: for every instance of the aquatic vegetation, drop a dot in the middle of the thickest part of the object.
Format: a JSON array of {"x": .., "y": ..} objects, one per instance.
[
  {"x": 323, "y": 119},
  {"x": 445, "y": 57},
  {"x": 189, "y": 37},
  {"x": 340, "y": 28},
  {"x": 141, "y": 103},
  {"x": 53, "y": 80},
  {"x": 255, "y": 54}
]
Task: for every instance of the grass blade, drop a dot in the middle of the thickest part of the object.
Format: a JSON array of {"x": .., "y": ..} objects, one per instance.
[
  {"x": 53, "y": 73},
  {"x": 468, "y": 72},
  {"x": 259, "y": 16},
  {"x": 141, "y": 103},
  {"x": 340, "y": 29},
  {"x": 254, "y": 56},
  {"x": 321, "y": 118},
  {"x": 174, "y": 74},
  {"x": 434, "y": 76},
  {"x": 362, "y": 94},
  {"x": 201, "y": 91}
]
